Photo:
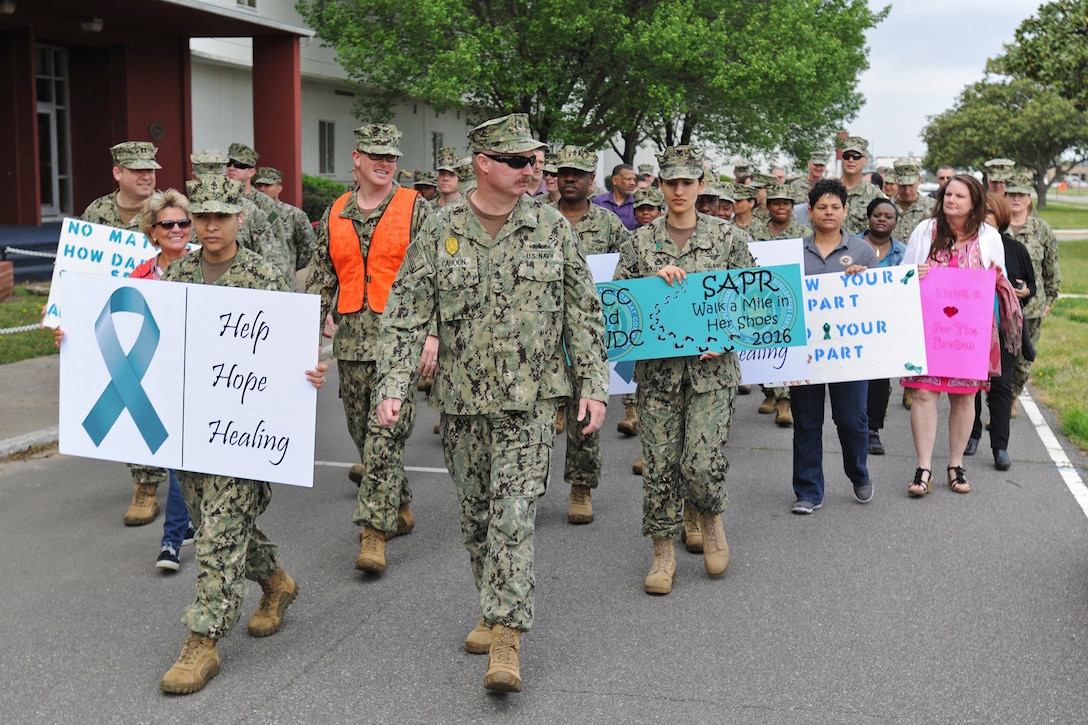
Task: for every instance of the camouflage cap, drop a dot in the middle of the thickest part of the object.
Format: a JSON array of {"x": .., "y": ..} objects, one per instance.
[
  {"x": 215, "y": 194},
  {"x": 727, "y": 191},
  {"x": 711, "y": 189},
  {"x": 649, "y": 196},
  {"x": 209, "y": 157},
  {"x": 646, "y": 169},
  {"x": 447, "y": 159},
  {"x": 819, "y": 157},
  {"x": 1020, "y": 183},
  {"x": 465, "y": 170},
  {"x": 425, "y": 178},
  {"x": 744, "y": 191},
  {"x": 378, "y": 138},
  {"x": 243, "y": 154},
  {"x": 906, "y": 172},
  {"x": 681, "y": 162},
  {"x": 742, "y": 167},
  {"x": 506, "y": 135},
  {"x": 780, "y": 191},
  {"x": 999, "y": 169},
  {"x": 576, "y": 157},
  {"x": 135, "y": 155},
  {"x": 856, "y": 143},
  {"x": 549, "y": 163},
  {"x": 762, "y": 181},
  {"x": 268, "y": 175}
]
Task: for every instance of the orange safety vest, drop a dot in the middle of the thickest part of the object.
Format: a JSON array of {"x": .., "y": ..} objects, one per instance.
[{"x": 370, "y": 278}]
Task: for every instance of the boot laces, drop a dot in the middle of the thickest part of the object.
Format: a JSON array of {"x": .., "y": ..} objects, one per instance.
[
  {"x": 191, "y": 649},
  {"x": 578, "y": 495},
  {"x": 504, "y": 653},
  {"x": 370, "y": 541}
]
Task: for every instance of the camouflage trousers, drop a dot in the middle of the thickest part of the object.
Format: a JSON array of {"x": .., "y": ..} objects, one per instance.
[
  {"x": 629, "y": 399},
  {"x": 582, "y": 466},
  {"x": 500, "y": 464},
  {"x": 683, "y": 440},
  {"x": 142, "y": 474},
  {"x": 780, "y": 393},
  {"x": 385, "y": 486},
  {"x": 229, "y": 547},
  {"x": 1033, "y": 327}
]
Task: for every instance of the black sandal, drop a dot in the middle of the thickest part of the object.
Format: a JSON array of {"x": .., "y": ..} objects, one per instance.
[
  {"x": 958, "y": 483},
  {"x": 918, "y": 487}
]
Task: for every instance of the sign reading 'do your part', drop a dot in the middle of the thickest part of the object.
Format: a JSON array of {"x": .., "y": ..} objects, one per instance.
[
  {"x": 728, "y": 310},
  {"x": 94, "y": 249},
  {"x": 192, "y": 377}
]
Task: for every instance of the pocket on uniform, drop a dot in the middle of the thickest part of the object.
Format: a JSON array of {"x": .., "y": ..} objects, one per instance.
[
  {"x": 540, "y": 284},
  {"x": 459, "y": 292}
]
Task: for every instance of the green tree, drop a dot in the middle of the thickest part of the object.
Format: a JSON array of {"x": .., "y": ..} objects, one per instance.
[
  {"x": 1018, "y": 119},
  {"x": 751, "y": 74},
  {"x": 1051, "y": 48}
]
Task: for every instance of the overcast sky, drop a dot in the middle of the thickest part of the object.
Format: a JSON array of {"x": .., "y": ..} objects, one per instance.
[{"x": 920, "y": 59}]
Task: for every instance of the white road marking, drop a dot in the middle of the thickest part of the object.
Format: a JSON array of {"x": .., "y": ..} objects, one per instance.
[{"x": 1068, "y": 473}]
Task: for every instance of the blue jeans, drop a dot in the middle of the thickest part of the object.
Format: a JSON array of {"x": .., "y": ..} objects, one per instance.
[
  {"x": 849, "y": 402},
  {"x": 177, "y": 516}
]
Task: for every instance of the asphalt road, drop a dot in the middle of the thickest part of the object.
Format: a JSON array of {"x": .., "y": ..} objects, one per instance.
[{"x": 948, "y": 609}]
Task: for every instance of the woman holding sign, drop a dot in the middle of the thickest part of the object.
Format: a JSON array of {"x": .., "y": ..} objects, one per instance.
[
  {"x": 684, "y": 403},
  {"x": 955, "y": 236}
]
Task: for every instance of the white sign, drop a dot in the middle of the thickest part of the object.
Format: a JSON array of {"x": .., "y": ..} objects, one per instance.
[
  {"x": 193, "y": 377},
  {"x": 864, "y": 326},
  {"x": 774, "y": 366}
]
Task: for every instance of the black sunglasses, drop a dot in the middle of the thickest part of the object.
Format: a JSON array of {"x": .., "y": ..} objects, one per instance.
[
  {"x": 514, "y": 162},
  {"x": 170, "y": 223},
  {"x": 239, "y": 164},
  {"x": 550, "y": 173},
  {"x": 853, "y": 156},
  {"x": 391, "y": 158}
]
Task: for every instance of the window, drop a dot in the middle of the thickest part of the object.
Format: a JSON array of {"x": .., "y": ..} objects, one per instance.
[
  {"x": 54, "y": 157},
  {"x": 248, "y": 3},
  {"x": 326, "y": 151}
]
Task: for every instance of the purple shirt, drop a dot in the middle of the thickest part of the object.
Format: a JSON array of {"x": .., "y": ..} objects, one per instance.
[{"x": 625, "y": 211}]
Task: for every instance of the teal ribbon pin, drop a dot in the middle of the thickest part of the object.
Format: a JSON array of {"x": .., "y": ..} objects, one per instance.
[{"x": 126, "y": 372}]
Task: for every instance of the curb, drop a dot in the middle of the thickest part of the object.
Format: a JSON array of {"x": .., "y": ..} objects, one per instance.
[{"x": 22, "y": 443}]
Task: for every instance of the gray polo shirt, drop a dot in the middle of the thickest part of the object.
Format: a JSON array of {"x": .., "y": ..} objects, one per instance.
[{"x": 851, "y": 251}]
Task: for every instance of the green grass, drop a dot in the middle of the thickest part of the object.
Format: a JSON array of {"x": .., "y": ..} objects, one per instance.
[
  {"x": 25, "y": 308},
  {"x": 1073, "y": 256},
  {"x": 1065, "y": 216},
  {"x": 1057, "y": 375}
]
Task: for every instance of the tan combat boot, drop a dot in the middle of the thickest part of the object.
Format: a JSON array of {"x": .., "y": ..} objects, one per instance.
[
  {"x": 1015, "y": 407},
  {"x": 744, "y": 389},
  {"x": 783, "y": 413},
  {"x": 581, "y": 505},
  {"x": 691, "y": 535},
  {"x": 663, "y": 570},
  {"x": 197, "y": 664},
  {"x": 503, "y": 666},
  {"x": 715, "y": 547},
  {"x": 424, "y": 384},
  {"x": 371, "y": 550},
  {"x": 279, "y": 590},
  {"x": 767, "y": 406},
  {"x": 560, "y": 419},
  {"x": 629, "y": 425},
  {"x": 356, "y": 473},
  {"x": 908, "y": 397},
  {"x": 144, "y": 507},
  {"x": 405, "y": 521},
  {"x": 478, "y": 641},
  {"x": 637, "y": 467}
]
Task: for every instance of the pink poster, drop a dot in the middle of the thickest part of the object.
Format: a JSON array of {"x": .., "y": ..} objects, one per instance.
[{"x": 958, "y": 315}]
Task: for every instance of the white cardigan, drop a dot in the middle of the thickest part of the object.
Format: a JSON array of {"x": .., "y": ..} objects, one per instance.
[{"x": 990, "y": 245}]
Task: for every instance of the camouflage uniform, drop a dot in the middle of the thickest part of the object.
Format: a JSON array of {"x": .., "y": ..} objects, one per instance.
[
  {"x": 601, "y": 232},
  {"x": 298, "y": 232},
  {"x": 685, "y": 404},
  {"x": 277, "y": 252},
  {"x": 1038, "y": 237},
  {"x": 103, "y": 210},
  {"x": 857, "y": 202},
  {"x": 384, "y": 487},
  {"x": 907, "y": 172},
  {"x": 504, "y": 309},
  {"x": 224, "y": 509}
]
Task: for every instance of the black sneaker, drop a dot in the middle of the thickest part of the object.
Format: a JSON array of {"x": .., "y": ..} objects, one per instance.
[
  {"x": 804, "y": 507},
  {"x": 190, "y": 535},
  {"x": 876, "y": 448},
  {"x": 864, "y": 493},
  {"x": 168, "y": 559}
]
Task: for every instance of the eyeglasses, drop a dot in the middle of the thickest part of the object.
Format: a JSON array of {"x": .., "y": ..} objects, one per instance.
[
  {"x": 852, "y": 156},
  {"x": 391, "y": 158},
  {"x": 170, "y": 223},
  {"x": 551, "y": 173},
  {"x": 239, "y": 164},
  {"x": 514, "y": 162}
]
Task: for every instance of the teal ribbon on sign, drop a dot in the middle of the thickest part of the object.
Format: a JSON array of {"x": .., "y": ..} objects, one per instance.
[{"x": 126, "y": 372}]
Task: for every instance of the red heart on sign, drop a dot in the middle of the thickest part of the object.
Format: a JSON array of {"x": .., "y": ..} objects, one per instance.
[{"x": 951, "y": 311}]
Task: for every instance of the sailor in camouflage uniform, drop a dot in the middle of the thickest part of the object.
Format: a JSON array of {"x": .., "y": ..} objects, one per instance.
[
  {"x": 134, "y": 168},
  {"x": 600, "y": 232},
  {"x": 859, "y": 192},
  {"x": 242, "y": 166},
  {"x": 505, "y": 279},
  {"x": 999, "y": 173},
  {"x": 296, "y": 223},
  {"x": 1038, "y": 237},
  {"x": 360, "y": 244},
  {"x": 685, "y": 404},
  {"x": 224, "y": 509},
  {"x": 912, "y": 206}
]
